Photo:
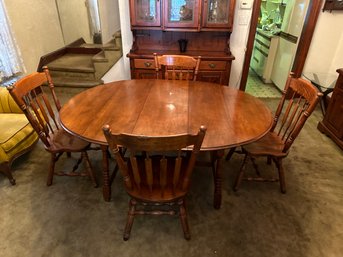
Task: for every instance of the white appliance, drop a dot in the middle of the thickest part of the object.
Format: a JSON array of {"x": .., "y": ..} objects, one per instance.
[
  {"x": 263, "y": 55},
  {"x": 291, "y": 28}
]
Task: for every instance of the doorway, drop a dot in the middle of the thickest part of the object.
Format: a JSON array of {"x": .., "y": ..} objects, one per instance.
[{"x": 305, "y": 36}]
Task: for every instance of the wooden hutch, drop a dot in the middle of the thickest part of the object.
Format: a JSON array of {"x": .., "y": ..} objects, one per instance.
[
  {"x": 332, "y": 124},
  {"x": 158, "y": 25}
]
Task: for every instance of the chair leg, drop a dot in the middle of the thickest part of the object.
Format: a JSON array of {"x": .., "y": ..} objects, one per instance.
[
  {"x": 255, "y": 166},
  {"x": 130, "y": 217},
  {"x": 51, "y": 169},
  {"x": 89, "y": 168},
  {"x": 278, "y": 163},
  {"x": 114, "y": 173},
  {"x": 6, "y": 169},
  {"x": 230, "y": 153},
  {"x": 183, "y": 219},
  {"x": 78, "y": 162},
  {"x": 241, "y": 173}
]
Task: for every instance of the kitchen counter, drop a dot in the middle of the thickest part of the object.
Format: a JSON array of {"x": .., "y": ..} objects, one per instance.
[
  {"x": 264, "y": 51},
  {"x": 269, "y": 34}
]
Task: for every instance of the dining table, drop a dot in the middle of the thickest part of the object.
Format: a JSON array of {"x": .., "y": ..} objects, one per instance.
[{"x": 152, "y": 107}]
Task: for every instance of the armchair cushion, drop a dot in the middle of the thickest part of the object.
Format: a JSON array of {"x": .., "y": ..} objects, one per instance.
[
  {"x": 16, "y": 134},
  {"x": 14, "y": 128}
]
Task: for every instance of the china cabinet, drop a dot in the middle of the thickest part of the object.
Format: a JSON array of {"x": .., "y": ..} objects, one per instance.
[
  {"x": 145, "y": 13},
  {"x": 332, "y": 124},
  {"x": 181, "y": 14},
  {"x": 205, "y": 26},
  {"x": 218, "y": 14}
]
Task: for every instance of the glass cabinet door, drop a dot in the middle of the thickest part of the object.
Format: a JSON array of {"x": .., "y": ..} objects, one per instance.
[
  {"x": 218, "y": 13},
  {"x": 145, "y": 13},
  {"x": 181, "y": 14}
]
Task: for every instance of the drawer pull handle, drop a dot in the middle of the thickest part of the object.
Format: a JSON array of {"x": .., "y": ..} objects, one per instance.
[
  {"x": 147, "y": 64},
  {"x": 212, "y": 65}
]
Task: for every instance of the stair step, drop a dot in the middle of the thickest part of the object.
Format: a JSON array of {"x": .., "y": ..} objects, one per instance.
[
  {"x": 107, "y": 46},
  {"x": 86, "y": 45},
  {"x": 73, "y": 62},
  {"x": 67, "y": 82},
  {"x": 111, "y": 47},
  {"x": 100, "y": 57},
  {"x": 73, "y": 74},
  {"x": 84, "y": 66}
]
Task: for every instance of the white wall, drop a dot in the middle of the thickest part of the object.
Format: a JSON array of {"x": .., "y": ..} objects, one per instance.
[
  {"x": 109, "y": 18},
  {"x": 74, "y": 20},
  {"x": 326, "y": 50},
  {"x": 337, "y": 61},
  {"x": 121, "y": 70},
  {"x": 36, "y": 28},
  {"x": 238, "y": 42}
]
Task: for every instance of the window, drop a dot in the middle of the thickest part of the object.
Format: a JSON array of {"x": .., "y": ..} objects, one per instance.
[{"x": 10, "y": 62}]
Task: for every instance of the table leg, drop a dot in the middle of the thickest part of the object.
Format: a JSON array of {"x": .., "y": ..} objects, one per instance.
[
  {"x": 106, "y": 188},
  {"x": 217, "y": 177},
  {"x": 323, "y": 101}
]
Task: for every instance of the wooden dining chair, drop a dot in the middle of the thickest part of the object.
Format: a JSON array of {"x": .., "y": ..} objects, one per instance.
[
  {"x": 29, "y": 94},
  {"x": 157, "y": 173},
  {"x": 298, "y": 101},
  {"x": 176, "y": 67}
]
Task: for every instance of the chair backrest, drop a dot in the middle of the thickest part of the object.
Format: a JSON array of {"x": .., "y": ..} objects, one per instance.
[
  {"x": 28, "y": 93},
  {"x": 298, "y": 101},
  {"x": 177, "y": 67},
  {"x": 157, "y": 168}
]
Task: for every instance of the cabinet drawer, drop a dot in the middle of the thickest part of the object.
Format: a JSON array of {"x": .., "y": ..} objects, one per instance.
[
  {"x": 144, "y": 64},
  {"x": 212, "y": 65},
  {"x": 263, "y": 40}
]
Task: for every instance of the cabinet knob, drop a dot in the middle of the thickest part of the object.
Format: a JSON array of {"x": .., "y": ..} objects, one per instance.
[
  {"x": 147, "y": 64},
  {"x": 212, "y": 65}
]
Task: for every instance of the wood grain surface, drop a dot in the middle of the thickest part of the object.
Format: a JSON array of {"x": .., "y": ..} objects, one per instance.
[{"x": 162, "y": 107}]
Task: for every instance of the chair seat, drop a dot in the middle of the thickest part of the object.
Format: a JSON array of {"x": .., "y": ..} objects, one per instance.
[
  {"x": 62, "y": 141},
  {"x": 298, "y": 101},
  {"x": 270, "y": 144},
  {"x": 28, "y": 93},
  {"x": 158, "y": 177}
]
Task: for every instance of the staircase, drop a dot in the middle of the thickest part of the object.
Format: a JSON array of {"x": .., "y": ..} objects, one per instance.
[{"x": 80, "y": 64}]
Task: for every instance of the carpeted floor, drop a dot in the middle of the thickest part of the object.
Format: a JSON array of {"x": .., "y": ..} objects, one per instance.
[{"x": 70, "y": 218}]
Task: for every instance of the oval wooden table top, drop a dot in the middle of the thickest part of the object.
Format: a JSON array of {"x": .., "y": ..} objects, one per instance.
[{"x": 165, "y": 107}]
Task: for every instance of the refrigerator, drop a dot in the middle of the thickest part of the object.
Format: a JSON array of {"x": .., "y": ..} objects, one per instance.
[{"x": 292, "y": 25}]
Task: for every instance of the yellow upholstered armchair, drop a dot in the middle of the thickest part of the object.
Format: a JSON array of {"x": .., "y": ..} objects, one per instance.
[{"x": 16, "y": 134}]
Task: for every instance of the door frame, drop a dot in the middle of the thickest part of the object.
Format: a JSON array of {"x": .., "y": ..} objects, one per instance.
[{"x": 310, "y": 22}]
